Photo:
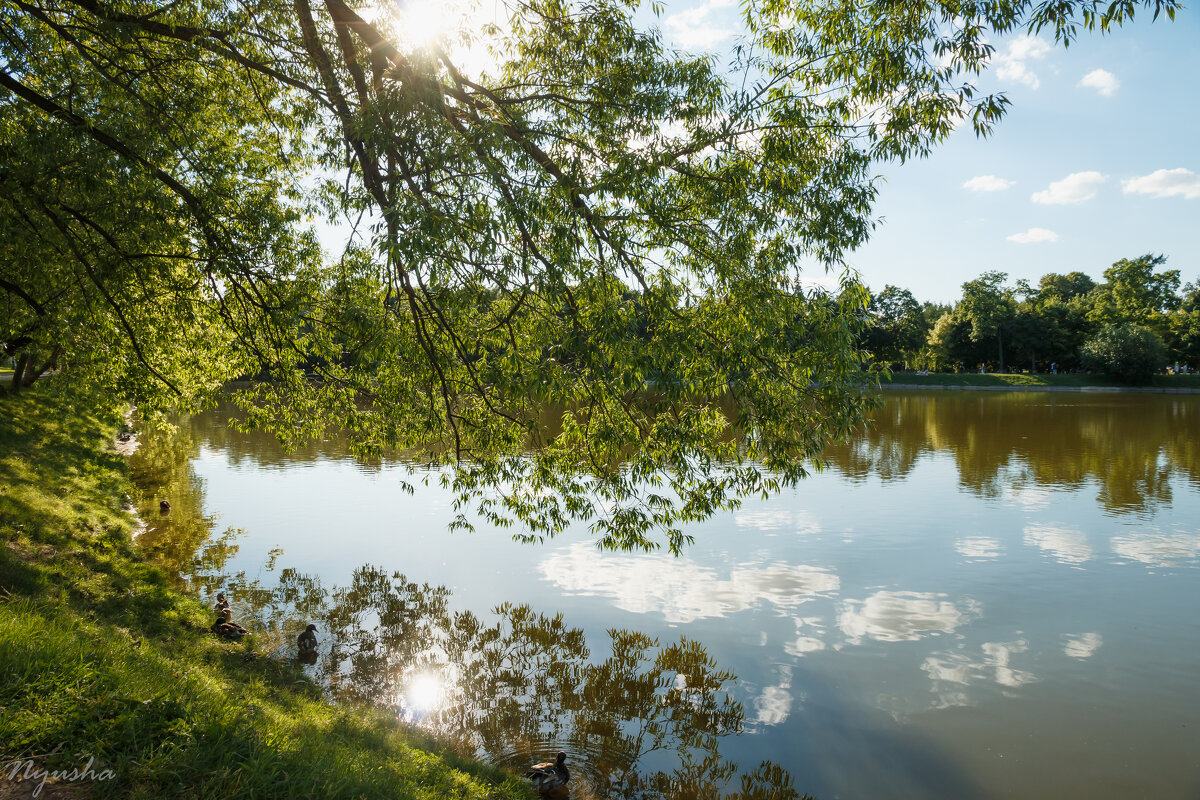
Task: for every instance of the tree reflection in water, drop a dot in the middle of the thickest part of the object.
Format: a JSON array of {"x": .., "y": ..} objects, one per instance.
[
  {"x": 646, "y": 721},
  {"x": 1127, "y": 444}
]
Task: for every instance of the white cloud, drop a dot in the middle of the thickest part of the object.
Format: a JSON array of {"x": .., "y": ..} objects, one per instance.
[
  {"x": 1065, "y": 545},
  {"x": 1102, "y": 81},
  {"x": 681, "y": 590},
  {"x": 957, "y": 668},
  {"x": 693, "y": 28},
  {"x": 902, "y": 616},
  {"x": 987, "y": 183},
  {"x": 774, "y": 705},
  {"x": 1033, "y": 236},
  {"x": 794, "y": 521},
  {"x": 1075, "y": 188},
  {"x": 1158, "y": 549},
  {"x": 1030, "y": 498},
  {"x": 1165, "y": 183},
  {"x": 1083, "y": 645},
  {"x": 802, "y": 645},
  {"x": 978, "y": 547},
  {"x": 1011, "y": 66}
]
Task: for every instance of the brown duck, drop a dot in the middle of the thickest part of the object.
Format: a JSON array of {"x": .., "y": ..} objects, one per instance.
[
  {"x": 226, "y": 627},
  {"x": 550, "y": 778}
]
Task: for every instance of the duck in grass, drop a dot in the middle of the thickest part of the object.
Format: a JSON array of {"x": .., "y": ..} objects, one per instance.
[
  {"x": 550, "y": 778},
  {"x": 228, "y": 630},
  {"x": 226, "y": 627}
]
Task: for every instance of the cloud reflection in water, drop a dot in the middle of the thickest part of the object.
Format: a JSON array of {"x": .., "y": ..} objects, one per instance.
[
  {"x": 1066, "y": 545},
  {"x": 952, "y": 671},
  {"x": 1083, "y": 645},
  {"x": 1158, "y": 549},
  {"x": 902, "y": 616},
  {"x": 678, "y": 588}
]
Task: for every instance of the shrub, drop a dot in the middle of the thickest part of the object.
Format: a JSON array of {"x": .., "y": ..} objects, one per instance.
[{"x": 1126, "y": 352}]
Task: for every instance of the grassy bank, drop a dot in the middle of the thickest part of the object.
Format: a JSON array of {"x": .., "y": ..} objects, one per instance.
[
  {"x": 1034, "y": 380},
  {"x": 102, "y": 659}
]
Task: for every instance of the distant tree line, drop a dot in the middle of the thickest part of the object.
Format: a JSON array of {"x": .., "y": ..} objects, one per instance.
[{"x": 1136, "y": 322}]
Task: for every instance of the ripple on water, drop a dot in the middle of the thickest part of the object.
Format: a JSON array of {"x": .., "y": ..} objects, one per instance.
[{"x": 592, "y": 768}]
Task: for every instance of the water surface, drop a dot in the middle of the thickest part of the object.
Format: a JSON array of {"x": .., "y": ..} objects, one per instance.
[{"x": 986, "y": 595}]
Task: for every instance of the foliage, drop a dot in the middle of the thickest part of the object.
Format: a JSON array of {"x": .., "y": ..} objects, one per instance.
[
  {"x": 1050, "y": 324},
  {"x": 1133, "y": 293},
  {"x": 1054, "y": 287},
  {"x": 595, "y": 217},
  {"x": 988, "y": 307},
  {"x": 897, "y": 325},
  {"x": 1126, "y": 352}
]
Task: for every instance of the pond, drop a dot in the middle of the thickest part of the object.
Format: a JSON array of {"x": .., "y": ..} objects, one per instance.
[{"x": 986, "y": 595}]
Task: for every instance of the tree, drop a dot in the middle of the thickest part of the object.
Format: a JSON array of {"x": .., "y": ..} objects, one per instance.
[
  {"x": 158, "y": 171},
  {"x": 988, "y": 305},
  {"x": 896, "y": 330},
  {"x": 1133, "y": 293},
  {"x": 1062, "y": 288},
  {"x": 950, "y": 345},
  {"x": 1127, "y": 352}
]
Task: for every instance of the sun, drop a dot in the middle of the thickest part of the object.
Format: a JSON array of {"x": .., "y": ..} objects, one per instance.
[
  {"x": 454, "y": 26},
  {"x": 424, "y": 693},
  {"x": 421, "y": 24}
]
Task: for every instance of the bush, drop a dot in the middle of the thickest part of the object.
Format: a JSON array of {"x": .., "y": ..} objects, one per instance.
[{"x": 1126, "y": 352}]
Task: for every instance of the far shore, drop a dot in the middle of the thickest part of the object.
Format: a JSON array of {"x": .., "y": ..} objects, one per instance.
[{"x": 1037, "y": 382}]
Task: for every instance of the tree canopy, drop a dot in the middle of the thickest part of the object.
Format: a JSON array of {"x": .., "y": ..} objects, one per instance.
[
  {"x": 577, "y": 287},
  {"x": 1047, "y": 325}
]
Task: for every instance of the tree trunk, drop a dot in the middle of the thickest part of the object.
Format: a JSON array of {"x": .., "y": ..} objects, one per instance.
[
  {"x": 18, "y": 376},
  {"x": 1000, "y": 339},
  {"x": 49, "y": 364}
]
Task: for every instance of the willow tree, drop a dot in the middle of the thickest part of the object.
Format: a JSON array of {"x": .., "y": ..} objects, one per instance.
[{"x": 577, "y": 286}]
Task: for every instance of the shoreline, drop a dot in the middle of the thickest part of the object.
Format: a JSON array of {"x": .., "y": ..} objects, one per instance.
[
  {"x": 1036, "y": 388},
  {"x": 117, "y": 665}
]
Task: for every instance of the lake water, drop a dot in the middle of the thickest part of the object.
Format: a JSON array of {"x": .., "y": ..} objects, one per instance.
[{"x": 986, "y": 595}]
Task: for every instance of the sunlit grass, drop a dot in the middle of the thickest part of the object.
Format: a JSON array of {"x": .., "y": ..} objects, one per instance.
[{"x": 102, "y": 659}]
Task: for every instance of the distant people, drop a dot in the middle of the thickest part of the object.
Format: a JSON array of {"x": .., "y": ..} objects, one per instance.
[{"x": 1054, "y": 367}]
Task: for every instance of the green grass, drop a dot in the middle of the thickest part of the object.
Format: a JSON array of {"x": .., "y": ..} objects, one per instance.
[
  {"x": 1025, "y": 379},
  {"x": 102, "y": 658}
]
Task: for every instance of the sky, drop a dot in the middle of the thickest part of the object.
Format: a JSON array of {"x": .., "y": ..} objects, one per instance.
[{"x": 1098, "y": 159}]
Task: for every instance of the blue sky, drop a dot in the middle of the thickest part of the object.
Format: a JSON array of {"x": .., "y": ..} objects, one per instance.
[{"x": 1097, "y": 160}]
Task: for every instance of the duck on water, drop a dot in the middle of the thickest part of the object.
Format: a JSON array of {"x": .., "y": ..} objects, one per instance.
[{"x": 550, "y": 778}]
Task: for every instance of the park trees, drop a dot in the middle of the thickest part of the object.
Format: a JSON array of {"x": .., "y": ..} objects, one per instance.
[
  {"x": 539, "y": 242},
  {"x": 1125, "y": 351},
  {"x": 897, "y": 329},
  {"x": 989, "y": 308}
]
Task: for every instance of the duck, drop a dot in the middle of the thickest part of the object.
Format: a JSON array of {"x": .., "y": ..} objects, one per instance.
[
  {"x": 222, "y": 605},
  {"x": 164, "y": 506},
  {"x": 550, "y": 778},
  {"x": 228, "y": 629},
  {"x": 308, "y": 640}
]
